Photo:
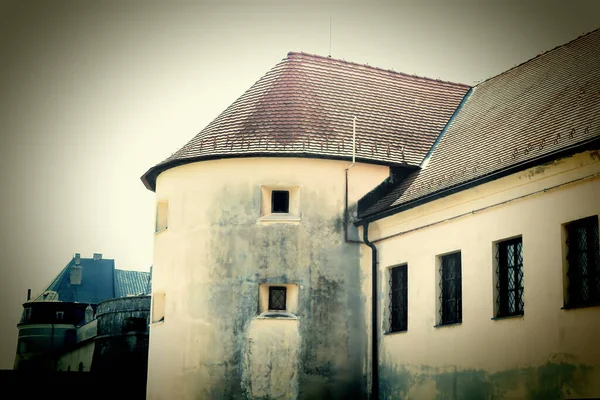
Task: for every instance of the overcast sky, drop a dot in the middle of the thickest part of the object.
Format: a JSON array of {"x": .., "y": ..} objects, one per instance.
[{"x": 93, "y": 93}]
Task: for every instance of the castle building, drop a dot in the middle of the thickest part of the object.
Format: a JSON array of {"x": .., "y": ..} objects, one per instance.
[
  {"x": 92, "y": 317},
  {"x": 347, "y": 232}
]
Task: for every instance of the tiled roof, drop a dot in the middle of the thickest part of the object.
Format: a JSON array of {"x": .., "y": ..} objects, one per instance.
[
  {"x": 96, "y": 282},
  {"x": 131, "y": 282},
  {"x": 534, "y": 111},
  {"x": 99, "y": 281},
  {"x": 305, "y": 107}
]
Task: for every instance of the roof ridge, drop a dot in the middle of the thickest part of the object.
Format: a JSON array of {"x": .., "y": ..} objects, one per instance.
[
  {"x": 329, "y": 58},
  {"x": 539, "y": 55}
]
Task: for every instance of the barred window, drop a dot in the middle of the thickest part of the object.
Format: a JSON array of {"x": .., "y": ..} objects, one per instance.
[
  {"x": 450, "y": 289},
  {"x": 583, "y": 259},
  {"x": 277, "y": 296},
  {"x": 398, "y": 307},
  {"x": 509, "y": 271}
]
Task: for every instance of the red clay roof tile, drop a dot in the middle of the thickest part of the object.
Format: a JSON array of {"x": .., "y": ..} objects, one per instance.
[
  {"x": 539, "y": 108},
  {"x": 305, "y": 106}
]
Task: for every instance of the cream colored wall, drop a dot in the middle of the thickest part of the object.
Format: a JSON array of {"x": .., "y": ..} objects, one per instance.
[
  {"x": 481, "y": 354},
  {"x": 209, "y": 263}
]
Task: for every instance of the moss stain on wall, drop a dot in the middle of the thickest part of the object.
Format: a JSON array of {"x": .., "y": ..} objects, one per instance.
[{"x": 552, "y": 380}]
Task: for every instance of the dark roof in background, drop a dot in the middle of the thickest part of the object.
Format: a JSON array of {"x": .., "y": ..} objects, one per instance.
[
  {"x": 130, "y": 283},
  {"x": 100, "y": 281},
  {"x": 539, "y": 108},
  {"x": 305, "y": 107}
]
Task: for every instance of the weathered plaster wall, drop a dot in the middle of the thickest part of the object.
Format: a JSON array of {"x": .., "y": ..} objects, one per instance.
[
  {"x": 549, "y": 353},
  {"x": 120, "y": 346},
  {"x": 210, "y": 261}
]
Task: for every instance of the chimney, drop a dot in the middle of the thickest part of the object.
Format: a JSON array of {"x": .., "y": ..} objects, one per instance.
[
  {"x": 28, "y": 294},
  {"x": 77, "y": 258},
  {"x": 97, "y": 256}
]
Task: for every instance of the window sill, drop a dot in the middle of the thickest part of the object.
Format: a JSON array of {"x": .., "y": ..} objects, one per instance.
[
  {"x": 279, "y": 218},
  {"x": 394, "y": 332},
  {"x": 444, "y": 325},
  {"x": 507, "y": 317},
  {"x": 161, "y": 230},
  {"x": 580, "y": 306},
  {"x": 161, "y": 322},
  {"x": 277, "y": 315}
]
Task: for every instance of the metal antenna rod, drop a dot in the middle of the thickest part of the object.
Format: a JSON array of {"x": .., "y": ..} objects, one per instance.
[{"x": 330, "y": 36}]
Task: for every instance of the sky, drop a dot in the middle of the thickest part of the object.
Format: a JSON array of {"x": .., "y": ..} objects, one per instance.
[{"x": 94, "y": 93}]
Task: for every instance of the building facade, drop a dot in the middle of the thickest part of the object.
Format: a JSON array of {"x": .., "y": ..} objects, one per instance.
[{"x": 342, "y": 231}]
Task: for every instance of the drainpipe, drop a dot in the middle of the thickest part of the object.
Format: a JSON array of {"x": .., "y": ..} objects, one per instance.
[
  {"x": 346, "y": 217},
  {"x": 374, "y": 324}
]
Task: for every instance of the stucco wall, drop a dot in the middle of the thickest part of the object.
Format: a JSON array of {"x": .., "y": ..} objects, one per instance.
[
  {"x": 214, "y": 254},
  {"x": 549, "y": 353}
]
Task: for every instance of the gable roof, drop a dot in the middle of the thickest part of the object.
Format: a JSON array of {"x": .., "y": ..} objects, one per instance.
[
  {"x": 529, "y": 114},
  {"x": 99, "y": 281},
  {"x": 305, "y": 107}
]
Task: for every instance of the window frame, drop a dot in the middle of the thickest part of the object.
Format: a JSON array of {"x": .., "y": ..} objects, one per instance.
[
  {"x": 573, "y": 280},
  {"x": 267, "y": 215},
  {"x": 503, "y": 274},
  {"x": 444, "y": 317},
  {"x": 398, "y": 299}
]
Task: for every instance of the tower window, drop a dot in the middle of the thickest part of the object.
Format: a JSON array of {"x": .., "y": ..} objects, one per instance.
[
  {"x": 162, "y": 211},
  {"x": 280, "y": 201},
  {"x": 277, "y": 295}
]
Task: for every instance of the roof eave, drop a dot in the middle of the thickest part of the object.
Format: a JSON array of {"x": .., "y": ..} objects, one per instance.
[
  {"x": 589, "y": 144},
  {"x": 149, "y": 178}
]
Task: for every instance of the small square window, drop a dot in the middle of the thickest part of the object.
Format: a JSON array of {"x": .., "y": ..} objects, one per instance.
[
  {"x": 398, "y": 318},
  {"x": 450, "y": 289},
  {"x": 509, "y": 272},
  {"x": 60, "y": 315},
  {"x": 277, "y": 298},
  {"x": 280, "y": 201},
  {"x": 583, "y": 262}
]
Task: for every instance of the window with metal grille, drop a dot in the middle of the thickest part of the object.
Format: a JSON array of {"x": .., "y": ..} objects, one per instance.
[
  {"x": 450, "y": 289},
  {"x": 583, "y": 259},
  {"x": 398, "y": 319},
  {"x": 277, "y": 298},
  {"x": 280, "y": 201},
  {"x": 509, "y": 270}
]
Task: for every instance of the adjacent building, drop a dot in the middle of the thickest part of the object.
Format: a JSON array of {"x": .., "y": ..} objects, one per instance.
[
  {"x": 343, "y": 231},
  {"x": 92, "y": 317}
]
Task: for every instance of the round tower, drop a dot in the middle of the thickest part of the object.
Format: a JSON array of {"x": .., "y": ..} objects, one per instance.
[{"x": 257, "y": 290}]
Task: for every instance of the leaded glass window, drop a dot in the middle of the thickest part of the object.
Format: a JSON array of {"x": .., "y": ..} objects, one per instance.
[
  {"x": 509, "y": 271},
  {"x": 450, "y": 289},
  {"x": 583, "y": 258},
  {"x": 398, "y": 306},
  {"x": 277, "y": 296}
]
